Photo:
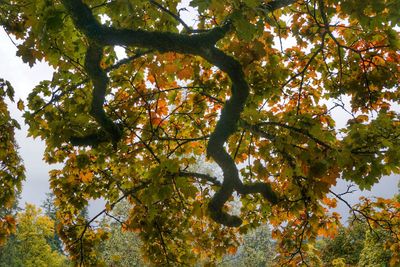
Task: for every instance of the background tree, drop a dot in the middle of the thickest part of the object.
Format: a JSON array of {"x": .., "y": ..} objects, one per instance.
[
  {"x": 131, "y": 125},
  {"x": 29, "y": 247},
  {"x": 374, "y": 252},
  {"x": 359, "y": 244},
  {"x": 50, "y": 211},
  {"x": 8, "y": 250},
  {"x": 347, "y": 245},
  {"x": 122, "y": 248},
  {"x": 257, "y": 249}
]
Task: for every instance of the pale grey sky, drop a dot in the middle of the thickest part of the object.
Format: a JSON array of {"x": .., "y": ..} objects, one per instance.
[
  {"x": 23, "y": 80},
  {"x": 36, "y": 185}
]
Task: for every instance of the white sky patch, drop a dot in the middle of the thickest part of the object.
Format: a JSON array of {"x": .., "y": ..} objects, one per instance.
[
  {"x": 23, "y": 79},
  {"x": 120, "y": 52},
  {"x": 188, "y": 14}
]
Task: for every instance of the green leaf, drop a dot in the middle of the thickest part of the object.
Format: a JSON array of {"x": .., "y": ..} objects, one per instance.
[
  {"x": 244, "y": 28},
  {"x": 202, "y": 5}
]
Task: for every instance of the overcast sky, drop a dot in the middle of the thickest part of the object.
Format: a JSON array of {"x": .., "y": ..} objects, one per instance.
[{"x": 36, "y": 185}]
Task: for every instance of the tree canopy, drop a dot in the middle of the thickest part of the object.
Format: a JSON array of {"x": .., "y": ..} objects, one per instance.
[
  {"x": 29, "y": 246},
  {"x": 251, "y": 85}
]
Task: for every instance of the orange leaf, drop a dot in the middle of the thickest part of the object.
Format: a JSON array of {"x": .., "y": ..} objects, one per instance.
[
  {"x": 171, "y": 68},
  {"x": 196, "y": 250},
  {"x": 10, "y": 219},
  {"x": 330, "y": 202},
  {"x": 155, "y": 120},
  {"x": 151, "y": 78},
  {"x": 86, "y": 177},
  {"x": 232, "y": 250},
  {"x": 162, "y": 107},
  {"x": 185, "y": 73}
]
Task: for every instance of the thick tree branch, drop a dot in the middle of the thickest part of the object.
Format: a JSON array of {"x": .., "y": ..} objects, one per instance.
[
  {"x": 99, "y": 79},
  {"x": 160, "y": 41},
  {"x": 202, "y": 44},
  {"x": 277, "y": 4}
]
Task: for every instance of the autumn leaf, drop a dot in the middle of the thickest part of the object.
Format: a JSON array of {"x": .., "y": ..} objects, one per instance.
[
  {"x": 211, "y": 128},
  {"x": 185, "y": 73},
  {"x": 20, "y": 105},
  {"x": 232, "y": 250},
  {"x": 86, "y": 176}
]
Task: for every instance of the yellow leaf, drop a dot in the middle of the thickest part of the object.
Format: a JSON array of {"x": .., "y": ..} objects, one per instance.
[
  {"x": 362, "y": 118},
  {"x": 71, "y": 179},
  {"x": 115, "y": 258},
  {"x": 20, "y": 105}
]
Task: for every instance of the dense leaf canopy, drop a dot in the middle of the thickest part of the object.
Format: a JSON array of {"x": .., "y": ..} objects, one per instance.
[{"x": 250, "y": 84}]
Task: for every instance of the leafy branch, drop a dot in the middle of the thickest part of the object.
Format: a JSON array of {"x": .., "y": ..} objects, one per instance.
[{"x": 201, "y": 44}]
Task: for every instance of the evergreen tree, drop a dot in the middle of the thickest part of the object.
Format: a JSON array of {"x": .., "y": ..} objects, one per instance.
[
  {"x": 374, "y": 254},
  {"x": 50, "y": 211}
]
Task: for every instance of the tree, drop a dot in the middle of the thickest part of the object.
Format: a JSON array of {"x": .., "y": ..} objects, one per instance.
[
  {"x": 374, "y": 252},
  {"x": 130, "y": 126},
  {"x": 361, "y": 244},
  {"x": 29, "y": 247},
  {"x": 11, "y": 168},
  {"x": 257, "y": 249},
  {"x": 346, "y": 245},
  {"x": 8, "y": 251},
  {"x": 122, "y": 248},
  {"x": 50, "y": 211}
]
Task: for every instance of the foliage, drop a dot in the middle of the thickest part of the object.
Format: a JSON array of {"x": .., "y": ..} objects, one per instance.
[
  {"x": 257, "y": 249},
  {"x": 131, "y": 126},
  {"x": 28, "y": 247},
  {"x": 122, "y": 248},
  {"x": 374, "y": 252},
  {"x": 51, "y": 211},
  {"x": 346, "y": 245},
  {"x": 11, "y": 168},
  {"x": 362, "y": 243},
  {"x": 383, "y": 221},
  {"x": 9, "y": 254}
]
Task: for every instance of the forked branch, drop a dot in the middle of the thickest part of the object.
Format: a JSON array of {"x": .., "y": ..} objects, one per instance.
[{"x": 201, "y": 44}]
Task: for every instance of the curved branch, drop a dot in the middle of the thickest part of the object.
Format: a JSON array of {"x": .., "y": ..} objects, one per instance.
[
  {"x": 202, "y": 44},
  {"x": 99, "y": 79}
]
